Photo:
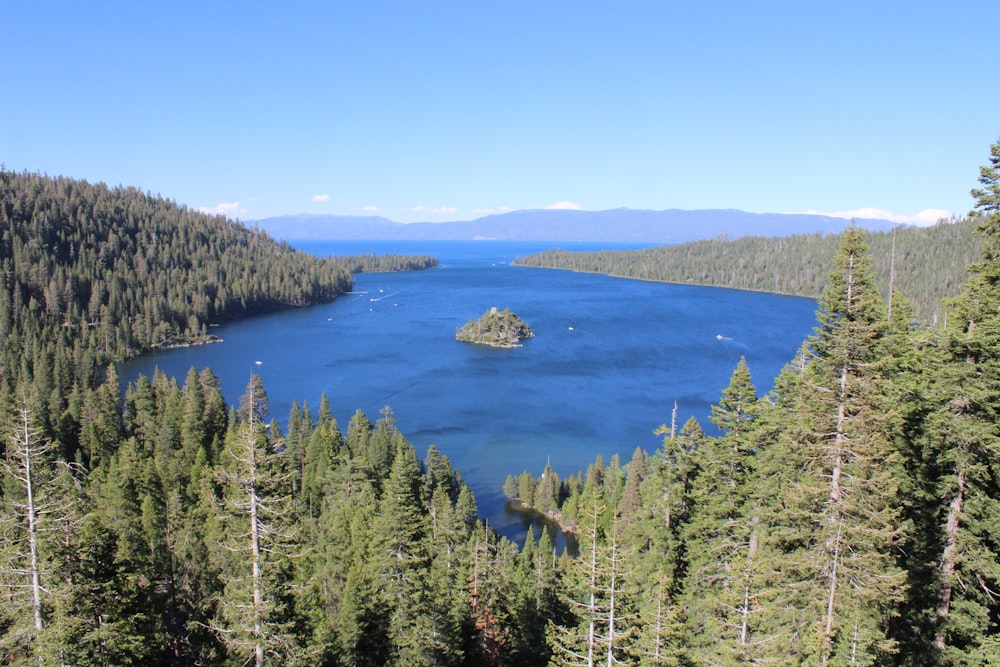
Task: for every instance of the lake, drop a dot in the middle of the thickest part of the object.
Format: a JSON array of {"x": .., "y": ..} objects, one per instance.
[{"x": 609, "y": 359}]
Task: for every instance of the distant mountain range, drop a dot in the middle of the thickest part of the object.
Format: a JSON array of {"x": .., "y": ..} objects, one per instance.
[{"x": 622, "y": 225}]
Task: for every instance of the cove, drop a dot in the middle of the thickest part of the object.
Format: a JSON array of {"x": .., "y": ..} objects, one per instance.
[{"x": 609, "y": 359}]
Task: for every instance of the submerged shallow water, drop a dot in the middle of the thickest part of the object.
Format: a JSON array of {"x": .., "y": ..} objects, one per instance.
[{"x": 609, "y": 359}]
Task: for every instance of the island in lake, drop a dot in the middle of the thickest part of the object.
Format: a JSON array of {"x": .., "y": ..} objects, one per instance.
[{"x": 498, "y": 328}]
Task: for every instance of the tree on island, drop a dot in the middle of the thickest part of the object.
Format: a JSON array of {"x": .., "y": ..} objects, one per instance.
[{"x": 499, "y": 328}]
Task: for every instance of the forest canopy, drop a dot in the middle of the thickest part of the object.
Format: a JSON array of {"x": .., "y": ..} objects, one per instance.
[
  {"x": 925, "y": 264},
  {"x": 372, "y": 263},
  {"x": 847, "y": 516},
  {"x": 112, "y": 272}
]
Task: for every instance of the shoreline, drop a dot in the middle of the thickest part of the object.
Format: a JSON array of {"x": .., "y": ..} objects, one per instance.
[{"x": 553, "y": 517}]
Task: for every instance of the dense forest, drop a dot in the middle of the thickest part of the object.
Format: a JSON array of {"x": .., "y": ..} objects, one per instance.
[
  {"x": 91, "y": 274},
  {"x": 926, "y": 264},
  {"x": 372, "y": 263},
  {"x": 849, "y": 516}
]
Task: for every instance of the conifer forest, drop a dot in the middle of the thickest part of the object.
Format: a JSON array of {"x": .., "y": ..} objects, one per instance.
[{"x": 848, "y": 515}]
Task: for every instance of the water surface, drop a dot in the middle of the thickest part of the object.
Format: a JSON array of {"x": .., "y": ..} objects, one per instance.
[{"x": 610, "y": 358}]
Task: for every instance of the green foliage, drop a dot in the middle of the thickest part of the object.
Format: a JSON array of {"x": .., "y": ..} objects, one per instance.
[
  {"x": 988, "y": 198},
  {"x": 839, "y": 524},
  {"x": 498, "y": 328},
  {"x": 133, "y": 271},
  {"x": 927, "y": 264},
  {"x": 203, "y": 535},
  {"x": 38, "y": 505},
  {"x": 256, "y": 614},
  {"x": 850, "y": 516},
  {"x": 373, "y": 263},
  {"x": 786, "y": 539},
  {"x": 959, "y": 440},
  {"x": 91, "y": 274}
]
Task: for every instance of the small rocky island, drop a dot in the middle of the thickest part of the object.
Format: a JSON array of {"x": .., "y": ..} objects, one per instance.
[{"x": 498, "y": 328}]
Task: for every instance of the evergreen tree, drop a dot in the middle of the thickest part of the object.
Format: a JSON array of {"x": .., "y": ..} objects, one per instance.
[
  {"x": 837, "y": 521},
  {"x": 658, "y": 551},
  {"x": 399, "y": 562},
  {"x": 118, "y": 608},
  {"x": 107, "y": 616},
  {"x": 604, "y": 623},
  {"x": 254, "y": 619},
  {"x": 631, "y": 499},
  {"x": 322, "y": 450},
  {"x": 335, "y": 577},
  {"x": 661, "y": 640},
  {"x": 547, "y": 490},
  {"x": 448, "y": 606},
  {"x": 194, "y": 430},
  {"x": 491, "y": 599},
  {"x": 738, "y": 405},
  {"x": 963, "y": 441},
  {"x": 726, "y": 580},
  {"x": 101, "y": 422},
  {"x": 38, "y": 511},
  {"x": 541, "y": 600}
]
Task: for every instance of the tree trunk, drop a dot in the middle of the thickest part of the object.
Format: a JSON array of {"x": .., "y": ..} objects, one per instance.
[
  {"x": 835, "y": 518},
  {"x": 255, "y": 555},
  {"x": 745, "y": 611},
  {"x": 948, "y": 558},
  {"x": 831, "y": 599},
  {"x": 32, "y": 515},
  {"x": 592, "y": 609}
]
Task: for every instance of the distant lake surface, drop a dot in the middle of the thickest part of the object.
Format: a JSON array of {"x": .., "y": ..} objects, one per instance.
[{"x": 610, "y": 358}]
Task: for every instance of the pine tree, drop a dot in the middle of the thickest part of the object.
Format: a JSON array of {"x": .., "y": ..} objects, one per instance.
[
  {"x": 254, "y": 620},
  {"x": 541, "y": 600},
  {"x": 448, "y": 606},
  {"x": 738, "y": 405},
  {"x": 323, "y": 448},
  {"x": 656, "y": 535},
  {"x": 631, "y": 499},
  {"x": 547, "y": 490},
  {"x": 194, "y": 431},
  {"x": 726, "y": 580},
  {"x": 336, "y": 576},
  {"x": 295, "y": 446},
  {"x": 398, "y": 561},
  {"x": 661, "y": 640},
  {"x": 605, "y": 622},
  {"x": 490, "y": 598},
  {"x": 109, "y": 614},
  {"x": 38, "y": 511},
  {"x": 100, "y": 422},
  {"x": 963, "y": 440},
  {"x": 837, "y": 521}
]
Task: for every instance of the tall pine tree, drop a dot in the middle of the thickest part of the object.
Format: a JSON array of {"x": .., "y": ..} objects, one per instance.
[
  {"x": 254, "y": 619},
  {"x": 962, "y": 438},
  {"x": 836, "y": 522}
]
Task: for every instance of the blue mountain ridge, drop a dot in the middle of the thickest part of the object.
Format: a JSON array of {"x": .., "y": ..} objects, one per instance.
[{"x": 622, "y": 225}]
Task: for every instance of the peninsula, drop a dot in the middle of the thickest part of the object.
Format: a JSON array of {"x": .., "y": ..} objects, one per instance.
[{"x": 497, "y": 328}]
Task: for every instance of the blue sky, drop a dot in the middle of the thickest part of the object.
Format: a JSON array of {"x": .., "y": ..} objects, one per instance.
[{"x": 453, "y": 110}]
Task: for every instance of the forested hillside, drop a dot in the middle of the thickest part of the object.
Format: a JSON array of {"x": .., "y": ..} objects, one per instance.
[
  {"x": 928, "y": 263},
  {"x": 849, "y": 516},
  {"x": 372, "y": 263},
  {"x": 115, "y": 271},
  {"x": 203, "y": 536}
]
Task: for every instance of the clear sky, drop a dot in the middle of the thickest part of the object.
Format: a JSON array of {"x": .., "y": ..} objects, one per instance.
[{"x": 452, "y": 110}]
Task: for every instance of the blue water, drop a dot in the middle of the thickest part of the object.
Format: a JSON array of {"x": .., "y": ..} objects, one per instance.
[{"x": 610, "y": 358}]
